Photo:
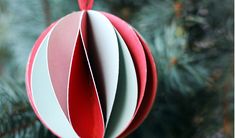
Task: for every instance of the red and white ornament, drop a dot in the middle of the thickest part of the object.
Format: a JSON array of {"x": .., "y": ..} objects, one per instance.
[{"x": 90, "y": 74}]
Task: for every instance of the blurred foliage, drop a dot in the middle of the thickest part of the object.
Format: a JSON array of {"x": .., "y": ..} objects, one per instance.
[{"x": 191, "y": 40}]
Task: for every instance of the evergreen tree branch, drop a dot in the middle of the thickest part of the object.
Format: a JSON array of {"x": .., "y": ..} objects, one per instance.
[
  {"x": 18, "y": 128},
  {"x": 47, "y": 11}
]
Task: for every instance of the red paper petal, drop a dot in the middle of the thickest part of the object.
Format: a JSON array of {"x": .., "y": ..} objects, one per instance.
[
  {"x": 84, "y": 108},
  {"x": 84, "y": 29}
]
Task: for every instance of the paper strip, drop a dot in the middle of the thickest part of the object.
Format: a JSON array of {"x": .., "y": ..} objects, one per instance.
[
  {"x": 44, "y": 96},
  {"x": 29, "y": 72},
  {"x": 150, "y": 92},
  {"x": 60, "y": 50},
  {"x": 127, "y": 93},
  {"x": 104, "y": 58},
  {"x": 136, "y": 50}
]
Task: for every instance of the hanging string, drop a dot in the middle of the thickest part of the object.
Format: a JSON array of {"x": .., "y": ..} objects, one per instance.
[{"x": 85, "y": 4}]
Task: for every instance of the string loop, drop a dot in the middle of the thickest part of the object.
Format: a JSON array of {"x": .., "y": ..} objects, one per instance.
[{"x": 85, "y": 4}]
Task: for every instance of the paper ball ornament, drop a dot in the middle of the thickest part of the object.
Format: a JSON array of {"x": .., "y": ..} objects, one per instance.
[{"x": 90, "y": 74}]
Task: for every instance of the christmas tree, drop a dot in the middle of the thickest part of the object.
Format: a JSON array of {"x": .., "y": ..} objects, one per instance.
[{"x": 191, "y": 40}]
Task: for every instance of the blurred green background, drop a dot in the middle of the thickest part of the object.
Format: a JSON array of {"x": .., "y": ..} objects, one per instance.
[{"x": 191, "y": 40}]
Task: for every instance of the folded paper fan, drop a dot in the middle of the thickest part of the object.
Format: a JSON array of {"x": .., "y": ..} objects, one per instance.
[{"x": 90, "y": 74}]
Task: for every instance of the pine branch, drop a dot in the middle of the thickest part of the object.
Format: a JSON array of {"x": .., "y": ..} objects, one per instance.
[
  {"x": 16, "y": 115},
  {"x": 47, "y": 11},
  {"x": 192, "y": 42},
  {"x": 19, "y": 128}
]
